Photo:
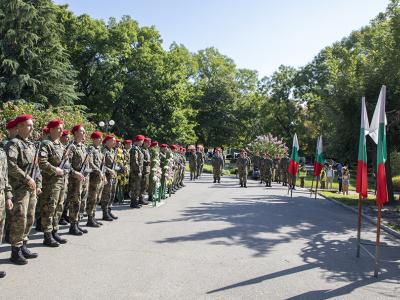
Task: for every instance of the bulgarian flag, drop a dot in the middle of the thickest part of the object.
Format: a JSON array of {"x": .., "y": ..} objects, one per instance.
[
  {"x": 381, "y": 183},
  {"x": 294, "y": 159},
  {"x": 319, "y": 158},
  {"x": 362, "y": 173}
]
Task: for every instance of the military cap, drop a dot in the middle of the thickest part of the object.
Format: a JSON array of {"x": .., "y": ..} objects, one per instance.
[
  {"x": 65, "y": 132},
  {"x": 45, "y": 130},
  {"x": 139, "y": 138},
  {"x": 127, "y": 142},
  {"x": 22, "y": 118},
  {"x": 76, "y": 128},
  {"x": 108, "y": 137},
  {"x": 96, "y": 135},
  {"x": 11, "y": 124},
  {"x": 163, "y": 146},
  {"x": 147, "y": 140},
  {"x": 54, "y": 123},
  {"x": 153, "y": 144}
]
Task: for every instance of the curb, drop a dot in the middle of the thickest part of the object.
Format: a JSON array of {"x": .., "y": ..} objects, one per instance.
[{"x": 368, "y": 218}]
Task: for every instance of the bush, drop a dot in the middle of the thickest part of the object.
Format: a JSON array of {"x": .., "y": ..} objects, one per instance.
[
  {"x": 396, "y": 183},
  {"x": 395, "y": 163}
]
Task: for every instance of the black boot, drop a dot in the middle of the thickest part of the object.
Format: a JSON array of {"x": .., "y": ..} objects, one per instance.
[
  {"x": 26, "y": 252},
  {"x": 134, "y": 204},
  {"x": 97, "y": 221},
  {"x": 91, "y": 222},
  {"x": 73, "y": 229},
  {"x": 49, "y": 240},
  {"x": 2, "y": 274},
  {"x": 151, "y": 198},
  {"x": 112, "y": 215},
  {"x": 219, "y": 180},
  {"x": 106, "y": 216},
  {"x": 81, "y": 229},
  {"x": 58, "y": 238},
  {"x": 17, "y": 257},
  {"x": 63, "y": 222}
]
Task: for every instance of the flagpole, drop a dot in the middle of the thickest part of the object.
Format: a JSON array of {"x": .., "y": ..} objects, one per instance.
[
  {"x": 316, "y": 188},
  {"x": 312, "y": 185},
  {"x": 377, "y": 247},
  {"x": 359, "y": 226},
  {"x": 291, "y": 190}
]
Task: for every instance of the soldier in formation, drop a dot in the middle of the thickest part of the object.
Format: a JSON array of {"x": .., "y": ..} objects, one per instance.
[
  {"x": 217, "y": 163},
  {"x": 192, "y": 162},
  {"x": 243, "y": 164}
]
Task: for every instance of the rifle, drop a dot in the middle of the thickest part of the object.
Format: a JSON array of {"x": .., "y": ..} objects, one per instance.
[
  {"x": 64, "y": 162},
  {"x": 85, "y": 170},
  {"x": 32, "y": 170}
]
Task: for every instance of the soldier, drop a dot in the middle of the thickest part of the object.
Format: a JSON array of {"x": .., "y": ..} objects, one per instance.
[
  {"x": 164, "y": 168},
  {"x": 124, "y": 182},
  {"x": 183, "y": 164},
  {"x": 256, "y": 161},
  {"x": 79, "y": 161},
  {"x": 200, "y": 160},
  {"x": 217, "y": 163},
  {"x": 176, "y": 167},
  {"x": 96, "y": 180},
  {"x": 284, "y": 170},
  {"x": 53, "y": 163},
  {"x": 268, "y": 170},
  {"x": 136, "y": 166},
  {"x": 155, "y": 171},
  {"x": 64, "y": 139},
  {"x": 192, "y": 162},
  {"x": 22, "y": 164},
  {"x": 277, "y": 169},
  {"x": 12, "y": 132},
  {"x": 144, "y": 185},
  {"x": 5, "y": 195},
  {"x": 243, "y": 167},
  {"x": 108, "y": 193}
]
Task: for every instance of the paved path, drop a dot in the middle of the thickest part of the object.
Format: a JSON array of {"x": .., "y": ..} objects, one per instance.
[{"x": 212, "y": 241}]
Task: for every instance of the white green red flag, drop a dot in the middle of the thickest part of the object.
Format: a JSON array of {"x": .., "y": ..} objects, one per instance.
[
  {"x": 362, "y": 171},
  {"x": 381, "y": 183},
  {"x": 319, "y": 158},
  {"x": 294, "y": 159}
]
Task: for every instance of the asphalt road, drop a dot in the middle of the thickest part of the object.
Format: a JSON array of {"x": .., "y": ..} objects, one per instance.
[{"x": 212, "y": 241}]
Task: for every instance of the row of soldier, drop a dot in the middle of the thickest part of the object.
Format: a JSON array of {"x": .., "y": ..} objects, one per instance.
[{"x": 56, "y": 180}]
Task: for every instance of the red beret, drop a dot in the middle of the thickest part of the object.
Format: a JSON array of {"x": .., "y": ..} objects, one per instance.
[
  {"x": 128, "y": 142},
  {"x": 22, "y": 118},
  {"x": 153, "y": 144},
  {"x": 96, "y": 135},
  {"x": 76, "y": 128},
  {"x": 183, "y": 149},
  {"x": 118, "y": 141},
  {"x": 173, "y": 147},
  {"x": 147, "y": 140},
  {"x": 65, "y": 132},
  {"x": 45, "y": 130},
  {"x": 163, "y": 146},
  {"x": 54, "y": 123},
  {"x": 11, "y": 124},
  {"x": 108, "y": 137},
  {"x": 139, "y": 138}
]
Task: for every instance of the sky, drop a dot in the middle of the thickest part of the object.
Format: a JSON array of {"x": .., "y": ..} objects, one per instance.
[{"x": 257, "y": 34}]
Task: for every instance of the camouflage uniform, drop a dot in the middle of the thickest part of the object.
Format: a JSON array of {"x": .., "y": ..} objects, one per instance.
[
  {"x": 182, "y": 174},
  {"x": 277, "y": 170},
  {"x": 192, "y": 165},
  {"x": 5, "y": 189},
  {"x": 76, "y": 188},
  {"x": 135, "y": 179},
  {"x": 21, "y": 154},
  {"x": 243, "y": 164},
  {"x": 284, "y": 165},
  {"x": 268, "y": 171},
  {"x": 144, "y": 185},
  {"x": 6, "y": 230},
  {"x": 200, "y": 163},
  {"x": 217, "y": 163},
  {"x": 109, "y": 189},
  {"x": 261, "y": 164},
  {"x": 50, "y": 157},
  {"x": 95, "y": 181}
]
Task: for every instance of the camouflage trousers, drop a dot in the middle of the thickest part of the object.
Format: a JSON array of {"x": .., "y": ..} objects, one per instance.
[
  {"x": 84, "y": 195},
  {"x": 2, "y": 214},
  {"x": 22, "y": 215},
  {"x": 193, "y": 171},
  {"x": 199, "y": 170},
  {"x": 144, "y": 184},
  {"x": 51, "y": 203},
  {"x": 181, "y": 176},
  {"x": 135, "y": 185},
  {"x": 242, "y": 177},
  {"x": 74, "y": 197},
  {"x": 95, "y": 188},
  {"x": 217, "y": 173},
  {"x": 108, "y": 192}
]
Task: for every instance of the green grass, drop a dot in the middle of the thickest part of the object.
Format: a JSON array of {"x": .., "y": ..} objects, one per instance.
[
  {"x": 207, "y": 168},
  {"x": 335, "y": 185},
  {"x": 351, "y": 199}
]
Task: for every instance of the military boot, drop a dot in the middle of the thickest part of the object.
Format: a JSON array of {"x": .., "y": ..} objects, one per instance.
[
  {"x": 49, "y": 240},
  {"x": 151, "y": 198},
  {"x": 112, "y": 215},
  {"x": 91, "y": 222},
  {"x": 58, "y": 238},
  {"x": 26, "y": 252},
  {"x": 81, "y": 229},
  {"x": 2, "y": 274},
  {"x": 73, "y": 229},
  {"x": 38, "y": 227},
  {"x": 106, "y": 216},
  {"x": 97, "y": 221},
  {"x": 134, "y": 204},
  {"x": 17, "y": 257}
]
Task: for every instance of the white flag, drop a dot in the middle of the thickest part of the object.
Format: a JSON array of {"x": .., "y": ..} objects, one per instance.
[{"x": 374, "y": 127}]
